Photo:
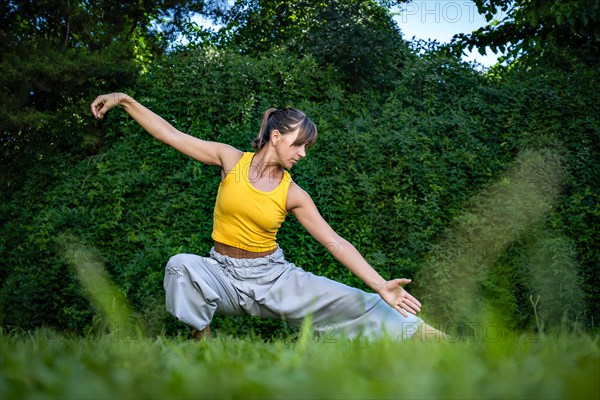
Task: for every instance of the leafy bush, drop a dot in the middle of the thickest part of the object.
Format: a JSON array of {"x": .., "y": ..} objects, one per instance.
[{"x": 396, "y": 172}]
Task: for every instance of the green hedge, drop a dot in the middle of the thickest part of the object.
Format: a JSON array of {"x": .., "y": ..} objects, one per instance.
[{"x": 401, "y": 174}]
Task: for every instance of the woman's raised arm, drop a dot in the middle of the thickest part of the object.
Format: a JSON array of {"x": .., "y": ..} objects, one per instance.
[{"x": 207, "y": 152}]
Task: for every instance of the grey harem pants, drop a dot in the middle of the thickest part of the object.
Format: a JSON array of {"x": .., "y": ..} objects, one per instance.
[{"x": 270, "y": 287}]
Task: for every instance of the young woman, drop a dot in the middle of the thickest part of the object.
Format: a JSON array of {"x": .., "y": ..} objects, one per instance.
[{"x": 246, "y": 271}]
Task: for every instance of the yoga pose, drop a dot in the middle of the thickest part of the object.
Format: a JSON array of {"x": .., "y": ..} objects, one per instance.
[{"x": 246, "y": 272}]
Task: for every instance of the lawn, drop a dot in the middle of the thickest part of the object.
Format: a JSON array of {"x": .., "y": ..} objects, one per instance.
[{"x": 47, "y": 365}]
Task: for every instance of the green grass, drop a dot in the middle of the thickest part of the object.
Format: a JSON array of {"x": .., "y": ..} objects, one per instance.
[
  {"x": 489, "y": 364},
  {"x": 46, "y": 365}
]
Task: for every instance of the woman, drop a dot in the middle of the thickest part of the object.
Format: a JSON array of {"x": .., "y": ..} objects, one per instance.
[{"x": 246, "y": 271}]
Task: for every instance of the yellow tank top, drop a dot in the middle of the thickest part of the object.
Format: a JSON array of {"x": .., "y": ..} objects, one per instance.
[{"x": 246, "y": 217}]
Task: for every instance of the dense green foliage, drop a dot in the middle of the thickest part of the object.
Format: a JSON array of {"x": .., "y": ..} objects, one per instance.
[
  {"x": 480, "y": 186},
  {"x": 356, "y": 37},
  {"x": 55, "y": 56},
  {"x": 533, "y": 27}
]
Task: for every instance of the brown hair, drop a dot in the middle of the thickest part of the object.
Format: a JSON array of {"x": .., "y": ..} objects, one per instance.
[{"x": 285, "y": 121}]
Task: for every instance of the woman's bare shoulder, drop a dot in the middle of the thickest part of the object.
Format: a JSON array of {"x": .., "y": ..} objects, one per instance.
[
  {"x": 229, "y": 156},
  {"x": 297, "y": 197}
]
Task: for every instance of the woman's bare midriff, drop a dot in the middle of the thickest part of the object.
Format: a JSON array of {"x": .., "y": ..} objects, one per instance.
[{"x": 236, "y": 252}]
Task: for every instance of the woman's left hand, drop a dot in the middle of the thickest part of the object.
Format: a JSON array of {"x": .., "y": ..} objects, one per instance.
[
  {"x": 105, "y": 102},
  {"x": 394, "y": 294}
]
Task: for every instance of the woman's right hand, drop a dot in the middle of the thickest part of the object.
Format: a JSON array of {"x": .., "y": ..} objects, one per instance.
[
  {"x": 394, "y": 294},
  {"x": 105, "y": 102}
]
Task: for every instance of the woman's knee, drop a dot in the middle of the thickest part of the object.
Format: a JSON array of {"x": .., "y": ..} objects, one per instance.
[{"x": 178, "y": 264}]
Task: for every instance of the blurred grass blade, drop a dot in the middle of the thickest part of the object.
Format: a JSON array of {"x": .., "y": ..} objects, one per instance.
[
  {"x": 496, "y": 217},
  {"x": 100, "y": 291}
]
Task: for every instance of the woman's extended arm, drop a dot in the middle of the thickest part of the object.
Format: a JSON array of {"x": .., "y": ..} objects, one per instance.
[
  {"x": 211, "y": 153},
  {"x": 301, "y": 204}
]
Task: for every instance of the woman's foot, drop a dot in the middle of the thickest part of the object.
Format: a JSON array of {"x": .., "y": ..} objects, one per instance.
[
  {"x": 426, "y": 333},
  {"x": 202, "y": 333}
]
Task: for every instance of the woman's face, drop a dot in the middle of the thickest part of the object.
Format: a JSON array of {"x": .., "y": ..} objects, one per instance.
[{"x": 288, "y": 152}]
